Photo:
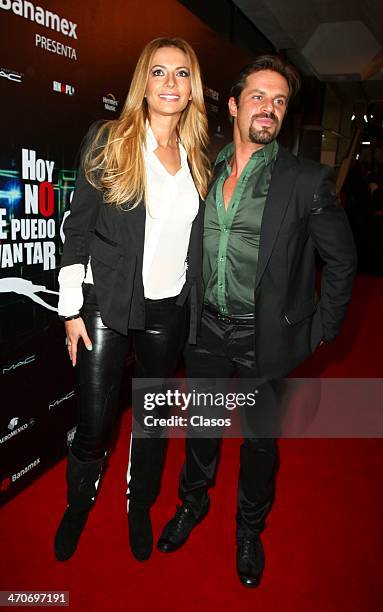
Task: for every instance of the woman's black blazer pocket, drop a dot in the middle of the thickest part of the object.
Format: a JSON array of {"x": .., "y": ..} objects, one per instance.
[{"x": 104, "y": 250}]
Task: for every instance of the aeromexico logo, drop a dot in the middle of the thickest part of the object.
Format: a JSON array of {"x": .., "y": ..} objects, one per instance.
[
  {"x": 41, "y": 16},
  {"x": 15, "y": 428},
  {"x": 70, "y": 435}
]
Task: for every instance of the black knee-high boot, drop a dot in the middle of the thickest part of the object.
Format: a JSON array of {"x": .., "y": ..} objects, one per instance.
[
  {"x": 147, "y": 457},
  {"x": 82, "y": 479}
]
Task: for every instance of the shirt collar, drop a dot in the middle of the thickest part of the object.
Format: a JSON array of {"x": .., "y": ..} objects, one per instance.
[
  {"x": 267, "y": 153},
  {"x": 151, "y": 142},
  {"x": 151, "y": 145}
]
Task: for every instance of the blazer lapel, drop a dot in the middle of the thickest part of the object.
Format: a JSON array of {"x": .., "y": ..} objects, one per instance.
[{"x": 282, "y": 181}]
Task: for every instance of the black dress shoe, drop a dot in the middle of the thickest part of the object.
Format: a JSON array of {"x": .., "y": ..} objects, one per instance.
[
  {"x": 250, "y": 559},
  {"x": 68, "y": 533},
  {"x": 140, "y": 532},
  {"x": 178, "y": 529}
]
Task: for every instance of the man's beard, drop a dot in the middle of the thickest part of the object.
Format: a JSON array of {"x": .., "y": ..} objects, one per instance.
[{"x": 264, "y": 135}]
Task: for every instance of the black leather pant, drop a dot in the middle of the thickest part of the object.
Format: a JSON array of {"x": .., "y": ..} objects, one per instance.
[
  {"x": 221, "y": 350},
  {"x": 99, "y": 374}
]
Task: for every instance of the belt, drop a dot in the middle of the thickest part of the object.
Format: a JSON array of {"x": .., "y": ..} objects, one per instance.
[{"x": 246, "y": 319}]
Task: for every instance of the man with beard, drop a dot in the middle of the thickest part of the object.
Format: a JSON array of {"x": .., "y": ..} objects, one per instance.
[{"x": 267, "y": 213}]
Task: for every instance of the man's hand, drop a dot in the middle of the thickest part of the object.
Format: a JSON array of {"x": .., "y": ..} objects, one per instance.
[{"x": 76, "y": 330}]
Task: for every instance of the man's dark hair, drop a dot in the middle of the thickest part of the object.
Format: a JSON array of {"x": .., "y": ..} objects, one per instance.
[{"x": 267, "y": 62}]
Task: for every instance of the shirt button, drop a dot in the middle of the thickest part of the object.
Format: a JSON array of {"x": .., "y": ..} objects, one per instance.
[
  {"x": 221, "y": 258},
  {"x": 220, "y": 285}
]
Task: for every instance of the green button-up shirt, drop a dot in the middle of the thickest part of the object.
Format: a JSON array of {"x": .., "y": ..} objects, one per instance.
[{"x": 231, "y": 237}]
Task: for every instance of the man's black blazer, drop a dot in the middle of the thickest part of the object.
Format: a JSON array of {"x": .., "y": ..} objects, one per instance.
[
  {"x": 114, "y": 238},
  {"x": 302, "y": 214}
]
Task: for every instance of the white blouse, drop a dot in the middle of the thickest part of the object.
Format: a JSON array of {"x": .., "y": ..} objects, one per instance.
[{"x": 171, "y": 206}]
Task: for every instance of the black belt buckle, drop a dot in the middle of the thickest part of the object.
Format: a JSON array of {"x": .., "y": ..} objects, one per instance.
[
  {"x": 238, "y": 320},
  {"x": 226, "y": 318}
]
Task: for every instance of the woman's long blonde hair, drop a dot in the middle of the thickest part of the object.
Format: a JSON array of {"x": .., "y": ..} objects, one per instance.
[{"x": 114, "y": 161}]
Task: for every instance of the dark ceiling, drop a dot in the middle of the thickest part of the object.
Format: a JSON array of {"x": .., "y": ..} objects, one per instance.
[{"x": 339, "y": 41}]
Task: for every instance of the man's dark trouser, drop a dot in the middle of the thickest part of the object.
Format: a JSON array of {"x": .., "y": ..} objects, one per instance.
[{"x": 222, "y": 349}]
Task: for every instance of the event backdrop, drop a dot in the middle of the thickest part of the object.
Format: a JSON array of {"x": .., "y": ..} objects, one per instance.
[{"x": 62, "y": 66}]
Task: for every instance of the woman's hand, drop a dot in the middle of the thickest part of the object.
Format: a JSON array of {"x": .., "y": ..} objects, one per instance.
[{"x": 76, "y": 330}]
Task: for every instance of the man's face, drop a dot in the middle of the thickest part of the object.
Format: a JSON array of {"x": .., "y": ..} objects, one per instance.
[{"x": 261, "y": 108}]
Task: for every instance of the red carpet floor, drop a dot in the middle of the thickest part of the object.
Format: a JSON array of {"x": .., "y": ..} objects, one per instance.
[{"x": 324, "y": 540}]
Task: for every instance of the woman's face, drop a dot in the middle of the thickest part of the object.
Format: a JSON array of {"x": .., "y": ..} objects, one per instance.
[{"x": 168, "y": 89}]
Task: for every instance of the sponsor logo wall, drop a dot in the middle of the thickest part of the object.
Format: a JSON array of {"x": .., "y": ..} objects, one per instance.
[{"x": 63, "y": 66}]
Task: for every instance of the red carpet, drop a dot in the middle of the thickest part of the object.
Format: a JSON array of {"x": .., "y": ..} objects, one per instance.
[{"x": 324, "y": 540}]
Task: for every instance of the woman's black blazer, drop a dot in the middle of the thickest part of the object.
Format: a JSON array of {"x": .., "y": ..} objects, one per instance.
[{"x": 114, "y": 239}]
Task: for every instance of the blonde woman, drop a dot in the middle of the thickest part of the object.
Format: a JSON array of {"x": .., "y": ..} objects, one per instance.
[{"x": 131, "y": 270}]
